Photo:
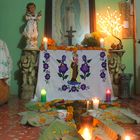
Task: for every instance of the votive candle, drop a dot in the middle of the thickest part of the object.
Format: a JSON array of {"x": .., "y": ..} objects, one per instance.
[
  {"x": 95, "y": 103},
  {"x": 43, "y": 95},
  {"x": 87, "y": 105},
  {"x": 101, "y": 42},
  {"x": 108, "y": 95},
  {"x": 45, "y": 40}
]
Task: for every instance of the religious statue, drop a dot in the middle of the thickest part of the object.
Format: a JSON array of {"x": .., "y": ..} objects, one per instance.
[
  {"x": 74, "y": 66},
  {"x": 31, "y": 29}
]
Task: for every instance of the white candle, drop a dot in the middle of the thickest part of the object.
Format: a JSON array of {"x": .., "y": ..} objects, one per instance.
[
  {"x": 127, "y": 138},
  {"x": 87, "y": 105},
  {"x": 101, "y": 42},
  {"x": 95, "y": 103},
  {"x": 45, "y": 40}
]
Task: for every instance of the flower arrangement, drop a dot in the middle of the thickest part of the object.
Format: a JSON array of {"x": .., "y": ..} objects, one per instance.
[
  {"x": 51, "y": 42},
  {"x": 106, "y": 105},
  {"x": 92, "y": 39}
]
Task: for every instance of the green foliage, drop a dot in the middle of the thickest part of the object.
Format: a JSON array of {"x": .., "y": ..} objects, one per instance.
[{"x": 90, "y": 41}]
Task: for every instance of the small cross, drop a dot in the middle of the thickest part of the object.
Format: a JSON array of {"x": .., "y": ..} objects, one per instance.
[{"x": 70, "y": 35}]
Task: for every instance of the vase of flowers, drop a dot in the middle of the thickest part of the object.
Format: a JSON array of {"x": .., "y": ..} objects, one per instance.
[{"x": 92, "y": 39}]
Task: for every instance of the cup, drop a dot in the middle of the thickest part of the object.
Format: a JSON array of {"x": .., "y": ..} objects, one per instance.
[{"x": 62, "y": 114}]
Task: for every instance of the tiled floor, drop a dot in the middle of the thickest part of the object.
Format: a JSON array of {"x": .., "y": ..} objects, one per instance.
[{"x": 11, "y": 129}]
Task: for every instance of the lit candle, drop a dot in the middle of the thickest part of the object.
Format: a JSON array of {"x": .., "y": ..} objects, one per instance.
[
  {"x": 102, "y": 43},
  {"x": 87, "y": 105},
  {"x": 45, "y": 40},
  {"x": 108, "y": 95},
  {"x": 127, "y": 138},
  {"x": 95, "y": 103},
  {"x": 43, "y": 95},
  {"x": 86, "y": 133}
]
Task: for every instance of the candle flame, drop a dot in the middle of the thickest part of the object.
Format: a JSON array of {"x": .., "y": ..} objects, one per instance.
[
  {"x": 127, "y": 138},
  {"x": 45, "y": 39},
  {"x": 108, "y": 91},
  {"x": 85, "y": 133},
  {"x": 43, "y": 92},
  {"x": 101, "y": 40}
]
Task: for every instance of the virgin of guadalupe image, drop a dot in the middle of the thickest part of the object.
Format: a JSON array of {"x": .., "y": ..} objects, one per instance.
[
  {"x": 70, "y": 13},
  {"x": 70, "y": 16}
]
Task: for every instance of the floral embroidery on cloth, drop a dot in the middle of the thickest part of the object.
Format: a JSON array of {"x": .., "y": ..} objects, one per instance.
[
  {"x": 103, "y": 66},
  {"x": 73, "y": 85},
  {"x": 46, "y": 66}
]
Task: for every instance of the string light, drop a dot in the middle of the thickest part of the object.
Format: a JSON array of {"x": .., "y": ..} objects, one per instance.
[{"x": 110, "y": 23}]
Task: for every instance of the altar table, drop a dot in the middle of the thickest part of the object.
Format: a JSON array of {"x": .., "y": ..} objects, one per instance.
[{"x": 72, "y": 75}]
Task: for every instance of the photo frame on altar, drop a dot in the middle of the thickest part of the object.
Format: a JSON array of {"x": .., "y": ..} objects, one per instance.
[{"x": 63, "y": 15}]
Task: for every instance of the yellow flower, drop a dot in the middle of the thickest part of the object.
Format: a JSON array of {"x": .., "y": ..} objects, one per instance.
[
  {"x": 42, "y": 109},
  {"x": 96, "y": 35},
  {"x": 69, "y": 116},
  {"x": 39, "y": 104},
  {"x": 42, "y": 120},
  {"x": 47, "y": 105}
]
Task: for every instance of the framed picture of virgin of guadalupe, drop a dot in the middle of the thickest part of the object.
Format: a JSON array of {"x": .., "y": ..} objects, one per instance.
[{"x": 63, "y": 15}]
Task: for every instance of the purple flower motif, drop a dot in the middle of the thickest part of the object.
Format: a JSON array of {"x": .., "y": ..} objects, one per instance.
[
  {"x": 64, "y": 87},
  {"x": 104, "y": 64},
  {"x": 73, "y": 89},
  {"x": 102, "y": 54},
  {"x": 63, "y": 68},
  {"x": 85, "y": 68},
  {"x": 47, "y": 76},
  {"x": 63, "y": 58},
  {"x": 84, "y": 58},
  {"x": 45, "y": 66},
  {"x": 102, "y": 75},
  {"x": 83, "y": 86},
  {"x": 47, "y": 55}
]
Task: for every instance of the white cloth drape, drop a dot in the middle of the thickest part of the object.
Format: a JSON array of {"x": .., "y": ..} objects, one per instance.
[{"x": 55, "y": 72}]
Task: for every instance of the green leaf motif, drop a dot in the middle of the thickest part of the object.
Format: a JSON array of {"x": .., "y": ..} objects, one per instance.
[
  {"x": 89, "y": 61},
  {"x": 88, "y": 74},
  {"x": 66, "y": 76},
  {"x": 59, "y": 61},
  {"x": 59, "y": 74},
  {"x": 82, "y": 76}
]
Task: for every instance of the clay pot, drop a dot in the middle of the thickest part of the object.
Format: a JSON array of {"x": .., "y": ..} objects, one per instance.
[{"x": 4, "y": 92}]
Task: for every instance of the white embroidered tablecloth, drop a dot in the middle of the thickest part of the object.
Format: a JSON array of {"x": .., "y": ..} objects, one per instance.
[
  {"x": 73, "y": 76},
  {"x": 5, "y": 61}
]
